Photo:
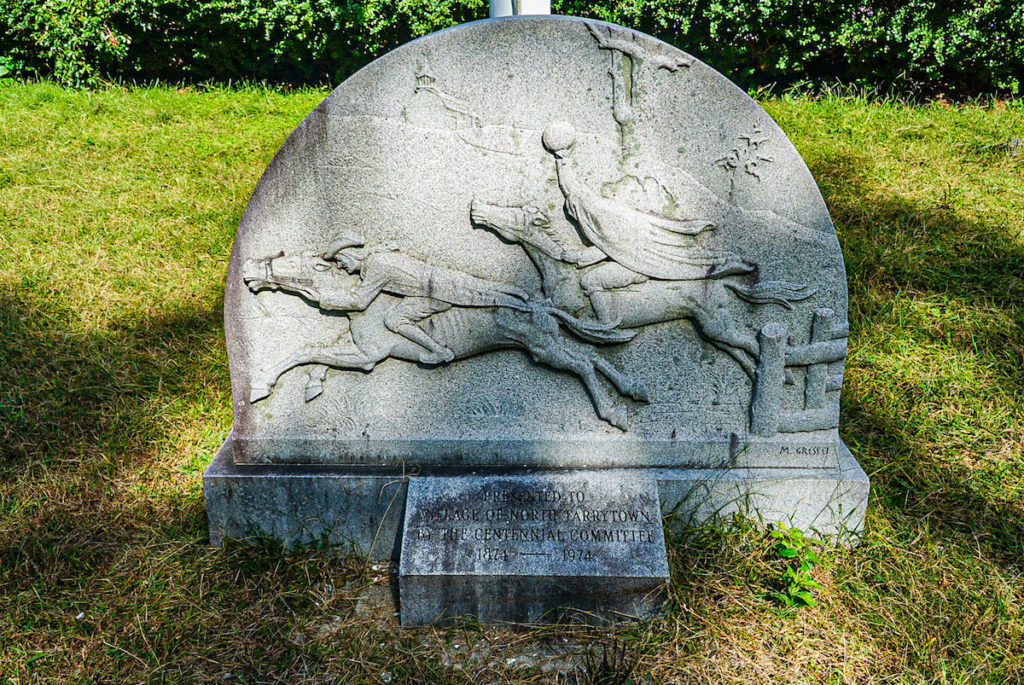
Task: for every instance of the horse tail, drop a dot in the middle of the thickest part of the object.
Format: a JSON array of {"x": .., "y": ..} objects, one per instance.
[
  {"x": 592, "y": 331},
  {"x": 772, "y": 292}
]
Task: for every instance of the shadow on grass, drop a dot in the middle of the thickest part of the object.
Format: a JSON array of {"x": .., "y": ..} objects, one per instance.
[
  {"x": 900, "y": 255},
  {"x": 80, "y": 417},
  {"x": 66, "y": 395},
  {"x": 106, "y": 570}
]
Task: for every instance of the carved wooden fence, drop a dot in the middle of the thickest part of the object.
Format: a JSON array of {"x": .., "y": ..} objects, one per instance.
[{"x": 827, "y": 345}]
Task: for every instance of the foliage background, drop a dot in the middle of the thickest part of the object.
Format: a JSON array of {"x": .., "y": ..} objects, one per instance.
[{"x": 957, "y": 48}]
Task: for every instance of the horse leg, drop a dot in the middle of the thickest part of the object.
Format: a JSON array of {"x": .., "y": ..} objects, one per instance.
[
  {"x": 315, "y": 385},
  {"x": 604, "y": 307},
  {"x": 554, "y": 353},
  {"x": 739, "y": 355},
  {"x": 597, "y": 283},
  {"x": 626, "y": 385},
  {"x": 719, "y": 328},
  {"x": 345, "y": 356},
  {"x": 723, "y": 334}
]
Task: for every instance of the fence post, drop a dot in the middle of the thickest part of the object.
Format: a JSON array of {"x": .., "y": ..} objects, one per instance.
[
  {"x": 817, "y": 374},
  {"x": 766, "y": 405}
]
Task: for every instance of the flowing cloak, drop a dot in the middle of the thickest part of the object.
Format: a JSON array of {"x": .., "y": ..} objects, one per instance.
[
  {"x": 647, "y": 243},
  {"x": 401, "y": 274}
]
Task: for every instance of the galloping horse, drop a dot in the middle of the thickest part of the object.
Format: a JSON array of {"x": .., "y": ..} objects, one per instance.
[
  {"x": 467, "y": 331},
  {"x": 703, "y": 301}
]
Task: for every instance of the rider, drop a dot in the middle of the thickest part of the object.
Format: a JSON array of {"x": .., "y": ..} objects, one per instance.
[
  {"x": 427, "y": 290},
  {"x": 640, "y": 245}
]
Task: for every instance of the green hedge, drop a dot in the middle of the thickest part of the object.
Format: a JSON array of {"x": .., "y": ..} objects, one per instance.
[{"x": 957, "y": 47}]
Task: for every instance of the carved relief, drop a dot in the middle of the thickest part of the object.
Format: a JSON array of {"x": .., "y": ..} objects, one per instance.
[
  {"x": 441, "y": 315},
  {"x": 627, "y": 268},
  {"x": 641, "y": 268},
  {"x": 434, "y": 210},
  {"x": 628, "y": 299},
  {"x": 631, "y": 65},
  {"x": 747, "y": 155},
  {"x": 488, "y": 409},
  {"x": 469, "y": 126},
  {"x": 458, "y": 108},
  {"x": 827, "y": 346}
]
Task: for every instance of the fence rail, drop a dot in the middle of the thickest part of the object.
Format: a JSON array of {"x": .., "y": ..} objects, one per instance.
[{"x": 827, "y": 346}]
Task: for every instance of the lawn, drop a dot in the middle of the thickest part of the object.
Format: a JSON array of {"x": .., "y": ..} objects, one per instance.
[{"x": 117, "y": 212}]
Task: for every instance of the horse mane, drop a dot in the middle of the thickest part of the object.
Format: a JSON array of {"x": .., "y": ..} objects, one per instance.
[{"x": 549, "y": 231}]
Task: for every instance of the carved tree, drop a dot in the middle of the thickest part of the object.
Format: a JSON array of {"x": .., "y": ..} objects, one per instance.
[{"x": 631, "y": 64}]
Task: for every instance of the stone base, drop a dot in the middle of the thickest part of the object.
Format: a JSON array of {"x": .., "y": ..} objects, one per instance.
[
  {"x": 520, "y": 600},
  {"x": 360, "y": 510},
  {"x": 514, "y": 549}
]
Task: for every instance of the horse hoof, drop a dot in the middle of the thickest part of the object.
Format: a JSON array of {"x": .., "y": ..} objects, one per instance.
[
  {"x": 618, "y": 418},
  {"x": 313, "y": 392},
  {"x": 639, "y": 392},
  {"x": 259, "y": 392},
  {"x": 443, "y": 356}
]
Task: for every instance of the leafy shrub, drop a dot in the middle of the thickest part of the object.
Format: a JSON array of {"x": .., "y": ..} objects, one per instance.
[
  {"x": 958, "y": 47},
  {"x": 81, "y": 42},
  {"x": 962, "y": 47},
  {"x": 69, "y": 40}
]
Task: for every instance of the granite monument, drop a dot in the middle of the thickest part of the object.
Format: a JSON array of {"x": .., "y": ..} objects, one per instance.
[{"x": 516, "y": 252}]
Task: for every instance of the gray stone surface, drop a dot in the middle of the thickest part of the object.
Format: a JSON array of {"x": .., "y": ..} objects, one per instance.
[
  {"x": 361, "y": 512},
  {"x": 537, "y": 242},
  {"x": 358, "y": 512},
  {"x": 828, "y": 502},
  {"x": 538, "y": 254},
  {"x": 529, "y": 548}
]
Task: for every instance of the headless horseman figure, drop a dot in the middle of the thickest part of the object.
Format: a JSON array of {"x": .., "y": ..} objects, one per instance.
[
  {"x": 638, "y": 245},
  {"x": 426, "y": 290}
]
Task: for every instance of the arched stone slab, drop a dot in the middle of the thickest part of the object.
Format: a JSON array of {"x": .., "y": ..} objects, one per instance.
[
  {"x": 538, "y": 242},
  {"x": 703, "y": 225}
]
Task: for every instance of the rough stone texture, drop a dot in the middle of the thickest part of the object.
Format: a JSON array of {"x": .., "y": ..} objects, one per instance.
[
  {"x": 827, "y": 502},
  {"x": 353, "y": 510},
  {"x": 522, "y": 549},
  {"x": 549, "y": 254},
  {"x": 576, "y": 247},
  {"x": 358, "y": 512}
]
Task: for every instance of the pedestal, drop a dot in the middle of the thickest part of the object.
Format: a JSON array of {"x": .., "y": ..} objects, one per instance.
[{"x": 361, "y": 510}]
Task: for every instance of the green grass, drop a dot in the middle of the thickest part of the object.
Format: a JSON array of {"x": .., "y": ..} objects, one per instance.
[{"x": 117, "y": 211}]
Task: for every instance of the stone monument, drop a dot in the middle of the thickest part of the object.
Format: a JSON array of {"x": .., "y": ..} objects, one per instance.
[{"x": 512, "y": 292}]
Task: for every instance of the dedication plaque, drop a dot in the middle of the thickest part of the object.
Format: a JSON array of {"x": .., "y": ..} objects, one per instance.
[{"x": 518, "y": 549}]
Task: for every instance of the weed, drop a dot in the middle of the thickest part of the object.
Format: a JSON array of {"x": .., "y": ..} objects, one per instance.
[
  {"x": 795, "y": 550},
  {"x": 614, "y": 666}
]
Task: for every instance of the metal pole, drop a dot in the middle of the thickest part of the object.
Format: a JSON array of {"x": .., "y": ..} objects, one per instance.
[{"x": 511, "y": 8}]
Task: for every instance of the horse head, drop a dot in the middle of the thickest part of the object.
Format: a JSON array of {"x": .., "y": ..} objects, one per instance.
[
  {"x": 515, "y": 224},
  {"x": 309, "y": 275}
]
